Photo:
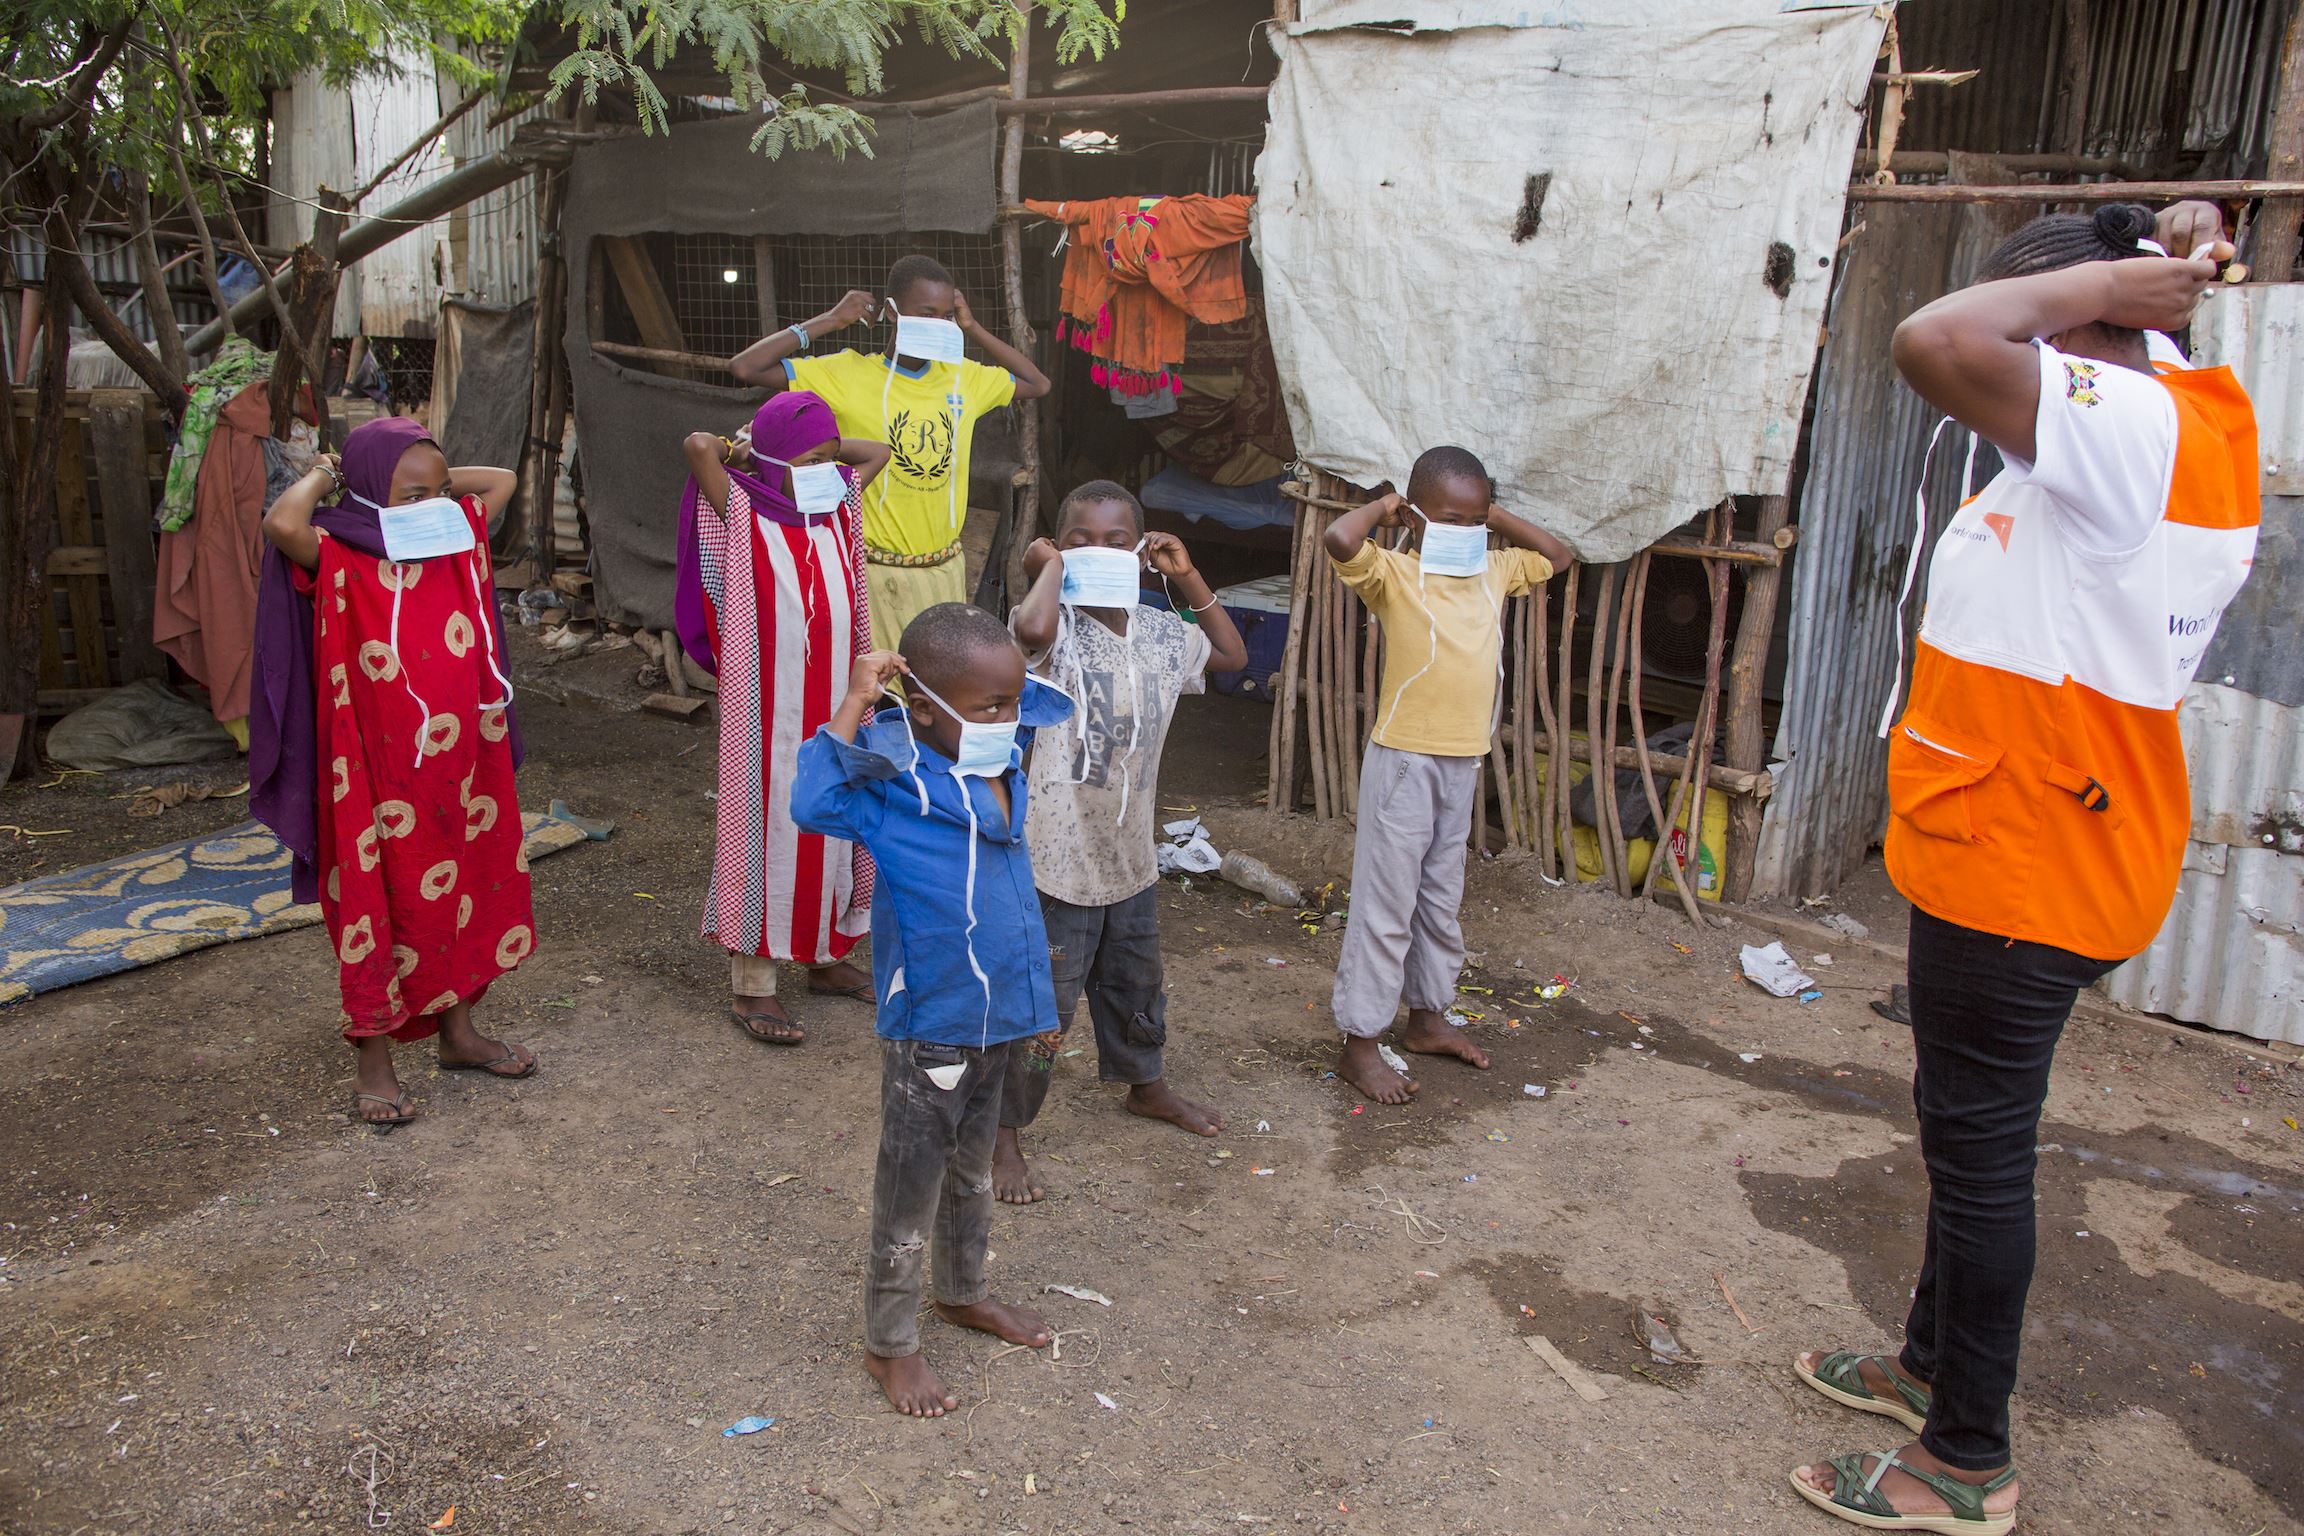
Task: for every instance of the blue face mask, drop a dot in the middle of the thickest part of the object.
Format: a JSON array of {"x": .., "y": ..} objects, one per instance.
[
  {"x": 1451, "y": 549},
  {"x": 987, "y": 749}
]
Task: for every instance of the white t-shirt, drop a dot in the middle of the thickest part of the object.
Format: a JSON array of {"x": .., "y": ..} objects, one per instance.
[{"x": 1095, "y": 777}]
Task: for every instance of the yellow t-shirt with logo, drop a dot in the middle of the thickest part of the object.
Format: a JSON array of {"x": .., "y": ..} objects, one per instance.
[
  {"x": 928, "y": 419},
  {"x": 1443, "y": 638}
]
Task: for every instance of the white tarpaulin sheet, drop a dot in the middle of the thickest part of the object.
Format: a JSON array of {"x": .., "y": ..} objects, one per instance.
[{"x": 1593, "y": 246}]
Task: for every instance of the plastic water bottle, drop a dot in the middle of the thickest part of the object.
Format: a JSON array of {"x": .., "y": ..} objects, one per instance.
[{"x": 1251, "y": 873}]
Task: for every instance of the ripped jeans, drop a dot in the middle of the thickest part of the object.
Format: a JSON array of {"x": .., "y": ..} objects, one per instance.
[
  {"x": 935, "y": 1166},
  {"x": 1113, "y": 955}
]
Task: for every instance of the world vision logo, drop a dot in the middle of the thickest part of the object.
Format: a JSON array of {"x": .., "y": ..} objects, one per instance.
[
  {"x": 2080, "y": 384},
  {"x": 2001, "y": 525},
  {"x": 922, "y": 442}
]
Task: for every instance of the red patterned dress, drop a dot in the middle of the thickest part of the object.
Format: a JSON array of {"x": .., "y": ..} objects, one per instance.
[{"x": 424, "y": 883}]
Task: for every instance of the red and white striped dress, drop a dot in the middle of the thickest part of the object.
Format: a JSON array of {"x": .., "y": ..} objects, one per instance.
[{"x": 788, "y": 617}]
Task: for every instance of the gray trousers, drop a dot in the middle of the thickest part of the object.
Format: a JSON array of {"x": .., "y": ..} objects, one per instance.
[
  {"x": 1113, "y": 955},
  {"x": 935, "y": 1168},
  {"x": 1403, "y": 940}
]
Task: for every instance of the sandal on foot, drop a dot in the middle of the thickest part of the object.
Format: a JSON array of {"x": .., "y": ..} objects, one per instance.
[
  {"x": 769, "y": 1029},
  {"x": 1896, "y": 1008},
  {"x": 1840, "y": 1377},
  {"x": 861, "y": 992},
  {"x": 490, "y": 1067},
  {"x": 401, "y": 1114},
  {"x": 1857, "y": 1499}
]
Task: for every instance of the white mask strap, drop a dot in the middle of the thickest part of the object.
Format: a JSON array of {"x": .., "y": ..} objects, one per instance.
[{"x": 1912, "y": 567}]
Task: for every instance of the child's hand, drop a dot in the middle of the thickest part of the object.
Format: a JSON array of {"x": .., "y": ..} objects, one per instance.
[
  {"x": 1394, "y": 506},
  {"x": 1037, "y": 556},
  {"x": 855, "y": 305},
  {"x": 872, "y": 674},
  {"x": 962, "y": 315},
  {"x": 1166, "y": 554}
]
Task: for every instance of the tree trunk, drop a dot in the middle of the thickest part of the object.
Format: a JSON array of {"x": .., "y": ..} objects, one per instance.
[
  {"x": 28, "y": 514},
  {"x": 312, "y": 300},
  {"x": 155, "y": 279},
  {"x": 65, "y": 260}
]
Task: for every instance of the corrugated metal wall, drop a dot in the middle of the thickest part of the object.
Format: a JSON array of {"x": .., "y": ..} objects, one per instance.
[
  {"x": 113, "y": 264},
  {"x": 490, "y": 245},
  {"x": 2231, "y": 953},
  {"x": 2184, "y": 78}
]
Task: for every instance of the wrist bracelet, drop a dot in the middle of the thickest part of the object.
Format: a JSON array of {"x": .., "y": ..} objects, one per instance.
[
  {"x": 1204, "y": 607},
  {"x": 727, "y": 450},
  {"x": 800, "y": 333}
]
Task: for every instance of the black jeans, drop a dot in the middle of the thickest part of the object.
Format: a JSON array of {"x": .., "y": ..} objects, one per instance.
[
  {"x": 1113, "y": 954},
  {"x": 935, "y": 1167},
  {"x": 1986, "y": 1015}
]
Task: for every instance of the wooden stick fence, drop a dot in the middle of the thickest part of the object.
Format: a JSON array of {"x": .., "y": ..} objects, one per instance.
[{"x": 1329, "y": 703}]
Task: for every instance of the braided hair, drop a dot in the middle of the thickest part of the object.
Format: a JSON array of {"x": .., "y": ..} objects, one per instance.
[{"x": 2055, "y": 241}]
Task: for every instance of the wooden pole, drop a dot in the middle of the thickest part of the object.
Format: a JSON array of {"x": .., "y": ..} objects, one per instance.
[
  {"x": 1607, "y": 744},
  {"x": 2078, "y": 192},
  {"x": 1646, "y": 763},
  {"x": 1602, "y": 781},
  {"x": 1280, "y": 776},
  {"x": 1556, "y": 785},
  {"x": 1012, "y": 279},
  {"x": 1747, "y": 741},
  {"x": 2076, "y": 75},
  {"x": 2279, "y": 227}
]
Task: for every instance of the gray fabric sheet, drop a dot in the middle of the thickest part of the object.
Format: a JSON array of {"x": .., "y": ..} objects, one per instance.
[
  {"x": 489, "y": 420},
  {"x": 928, "y": 173}
]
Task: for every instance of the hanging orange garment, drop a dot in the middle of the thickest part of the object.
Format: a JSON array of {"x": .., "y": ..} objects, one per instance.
[
  {"x": 204, "y": 600},
  {"x": 1140, "y": 270}
]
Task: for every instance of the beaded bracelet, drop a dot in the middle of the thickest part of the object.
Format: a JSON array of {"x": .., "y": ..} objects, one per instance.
[{"x": 800, "y": 333}]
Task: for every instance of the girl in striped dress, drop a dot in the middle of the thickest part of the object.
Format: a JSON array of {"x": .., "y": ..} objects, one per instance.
[{"x": 771, "y": 599}]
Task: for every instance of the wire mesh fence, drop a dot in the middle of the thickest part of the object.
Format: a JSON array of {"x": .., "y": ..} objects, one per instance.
[{"x": 813, "y": 271}]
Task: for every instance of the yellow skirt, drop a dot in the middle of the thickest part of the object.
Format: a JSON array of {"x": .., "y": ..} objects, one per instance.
[{"x": 902, "y": 593}]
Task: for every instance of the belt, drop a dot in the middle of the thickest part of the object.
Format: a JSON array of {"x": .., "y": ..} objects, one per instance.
[{"x": 874, "y": 555}]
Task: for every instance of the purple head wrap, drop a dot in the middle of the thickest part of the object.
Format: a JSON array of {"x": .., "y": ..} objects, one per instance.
[
  {"x": 283, "y": 708},
  {"x": 789, "y": 425}
]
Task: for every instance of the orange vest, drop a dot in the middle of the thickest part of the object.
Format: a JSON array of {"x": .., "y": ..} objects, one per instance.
[{"x": 2036, "y": 780}]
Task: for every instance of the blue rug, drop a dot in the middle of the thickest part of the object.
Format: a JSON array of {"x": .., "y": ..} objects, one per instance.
[{"x": 84, "y": 923}]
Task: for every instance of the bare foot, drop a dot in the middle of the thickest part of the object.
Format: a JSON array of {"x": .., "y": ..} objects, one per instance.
[
  {"x": 1908, "y": 1494},
  {"x": 1012, "y": 1325},
  {"x": 1430, "y": 1034},
  {"x": 381, "y": 1099},
  {"x": 911, "y": 1387},
  {"x": 1155, "y": 1100},
  {"x": 463, "y": 1047},
  {"x": 1012, "y": 1180},
  {"x": 1364, "y": 1069},
  {"x": 840, "y": 979}
]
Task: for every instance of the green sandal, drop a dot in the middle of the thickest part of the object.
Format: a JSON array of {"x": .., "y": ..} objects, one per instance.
[
  {"x": 1840, "y": 1377},
  {"x": 1856, "y": 1498}
]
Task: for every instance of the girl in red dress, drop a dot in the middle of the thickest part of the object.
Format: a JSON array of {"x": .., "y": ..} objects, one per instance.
[{"x": 382, "y": 747}]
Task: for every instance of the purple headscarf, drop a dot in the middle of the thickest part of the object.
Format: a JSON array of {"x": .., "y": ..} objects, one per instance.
[
  {"x": 789, "y": 425},
  {"x": 283, "y": 708}
]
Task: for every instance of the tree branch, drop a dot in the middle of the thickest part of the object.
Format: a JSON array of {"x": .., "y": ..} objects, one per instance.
[
  {"x": 154, "y": 278},
  {"x": 108, "y": 326},
  {"x": 81, "y": 88}
]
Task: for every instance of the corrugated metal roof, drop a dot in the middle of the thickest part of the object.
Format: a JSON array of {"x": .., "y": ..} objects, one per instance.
[
  {"x": 113, "y": 264},
  {"x": 492, "y": 242}
]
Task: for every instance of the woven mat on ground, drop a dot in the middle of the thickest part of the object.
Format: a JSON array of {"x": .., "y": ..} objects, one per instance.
[{"x": 156, "y": 905}]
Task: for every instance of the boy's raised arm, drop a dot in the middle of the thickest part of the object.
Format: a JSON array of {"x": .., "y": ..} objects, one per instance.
[
  {"x": 1227, "y": 652},
  {"x": 1345, "y": 535},
  {"x": 1034, "y": 622},
  {"x": 1523, "y": 534}
]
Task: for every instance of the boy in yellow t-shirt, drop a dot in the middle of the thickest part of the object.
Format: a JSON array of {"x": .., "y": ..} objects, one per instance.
[
  {"x": 1442, "y": 608},
  {"x": 923, "y": 407}
]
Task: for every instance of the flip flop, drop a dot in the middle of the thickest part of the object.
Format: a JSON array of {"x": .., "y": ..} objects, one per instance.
[
  {"x": 1840, "y": 1377},
  {"x": 792, "y": 1034},
  {"x": 401, "y": 1115},
  {"x": 862, "y": 992},
  {"x": 490, "y": 1067},
  {"x": 1856, "y": 1498}
]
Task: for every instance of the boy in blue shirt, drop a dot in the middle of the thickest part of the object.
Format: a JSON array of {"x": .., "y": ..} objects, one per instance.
[{"x": 959, "y": 958}]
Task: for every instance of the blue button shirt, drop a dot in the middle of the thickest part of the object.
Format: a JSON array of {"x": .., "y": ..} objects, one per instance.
[{"x": 940, "y": 976}]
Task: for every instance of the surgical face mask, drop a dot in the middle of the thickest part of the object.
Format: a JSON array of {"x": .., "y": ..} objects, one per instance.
[
  {"x": 928, "y": 338},
  {"x": 425, "y": 529},
  {"x": 1096, "y": 577},
  {"x": 986, "y": 748},
  {"x": 817, "y": 489},
  {"x": 1451, "y": 549}
]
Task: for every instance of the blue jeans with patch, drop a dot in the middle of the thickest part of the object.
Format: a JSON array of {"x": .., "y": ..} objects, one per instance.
[
  {"x": 1112, "y": 954},
  {"x": 934, "y": 1172}
]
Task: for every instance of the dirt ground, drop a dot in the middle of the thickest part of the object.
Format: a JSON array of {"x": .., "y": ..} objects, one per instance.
[{"x": 223, "y": 1307}]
